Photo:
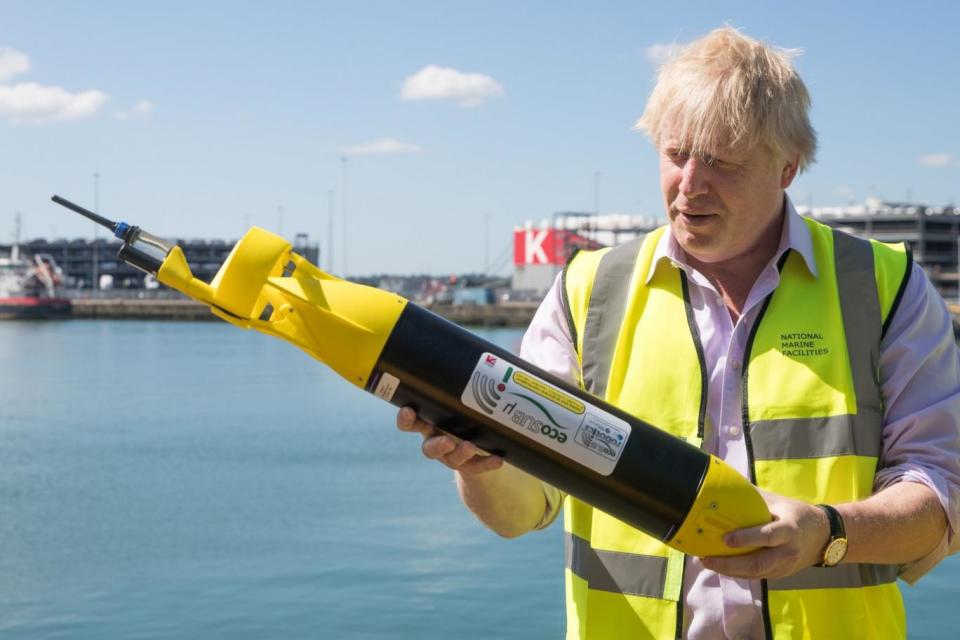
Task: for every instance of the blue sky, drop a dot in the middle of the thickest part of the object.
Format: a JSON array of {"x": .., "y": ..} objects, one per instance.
[{"x": 202, "y": 117}]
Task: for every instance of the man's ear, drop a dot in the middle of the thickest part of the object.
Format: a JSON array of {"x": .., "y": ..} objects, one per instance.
[{"x": 789, "y": 173}]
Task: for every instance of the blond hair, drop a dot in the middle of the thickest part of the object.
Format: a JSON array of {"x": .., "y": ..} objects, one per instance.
[{"x": 728, "y": 90}]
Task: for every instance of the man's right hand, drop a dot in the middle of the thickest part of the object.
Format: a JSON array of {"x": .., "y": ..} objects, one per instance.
[
  {"x": 460, "y": 455},
  {"x": 509, "y": 501}
]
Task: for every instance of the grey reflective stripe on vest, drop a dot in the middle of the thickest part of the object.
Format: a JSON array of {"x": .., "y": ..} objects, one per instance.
[
  {"x": 627, "y": 573},
  {"x": 842, "y": 576},
  {"x": 641, "y": 575},
  {"x": 862, "y": 319},
  {"x": 816, "y": 437},
  {"x": 605, "y": 310},
  {"x": 860, "y": 434}
]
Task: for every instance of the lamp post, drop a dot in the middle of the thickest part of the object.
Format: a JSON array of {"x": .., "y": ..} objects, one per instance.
[
  {"x": 330, "y": 231},
  {"x": 95, "y": 285},
  {"x": 486, "y": 243},
  {"x": 343, "y": 207},
  {"x": 596, "y": 193}
]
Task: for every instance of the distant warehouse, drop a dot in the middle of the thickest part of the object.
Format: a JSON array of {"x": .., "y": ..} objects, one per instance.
[
  {"x": 930, "y": 232},
  {"x": 541, "y": 249},
  {"x": 89, "y": 264}
]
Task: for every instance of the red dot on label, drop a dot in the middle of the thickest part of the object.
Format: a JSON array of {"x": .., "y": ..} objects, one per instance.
[{"x": 501, "y": 387}]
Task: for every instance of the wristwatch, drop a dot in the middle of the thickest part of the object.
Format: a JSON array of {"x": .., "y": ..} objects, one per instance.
[{"x": 836, "y": 547}]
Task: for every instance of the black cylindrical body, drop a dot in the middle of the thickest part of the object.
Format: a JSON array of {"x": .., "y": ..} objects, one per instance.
[{"x": 653, "y": 482}]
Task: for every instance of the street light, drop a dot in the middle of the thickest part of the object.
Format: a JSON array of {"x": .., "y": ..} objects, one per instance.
[
  {"x": 330, "y": 232},
  {"x": 95, "y": 285},
  {"x": 596, "y": 193},
  {"x": 343, "y": 207}
]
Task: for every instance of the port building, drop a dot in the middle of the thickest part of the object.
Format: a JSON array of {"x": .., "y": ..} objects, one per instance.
[
  {"x": 931, "y": 232},
  {"x": 540, "y": 249},
  {"x": 86, "y": 262}
]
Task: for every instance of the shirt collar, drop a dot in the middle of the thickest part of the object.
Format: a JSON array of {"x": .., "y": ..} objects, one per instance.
[{"x": 794, "y": 235}]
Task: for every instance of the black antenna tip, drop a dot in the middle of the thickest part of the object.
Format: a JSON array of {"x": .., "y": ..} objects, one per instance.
[{"x": 109, "y": 224}]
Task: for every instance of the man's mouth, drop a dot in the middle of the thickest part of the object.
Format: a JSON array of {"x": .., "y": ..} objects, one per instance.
[{"x": 697, "y": 219}]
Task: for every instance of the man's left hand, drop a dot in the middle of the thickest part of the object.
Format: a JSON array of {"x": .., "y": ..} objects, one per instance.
[{"x": 794, "y": 540}]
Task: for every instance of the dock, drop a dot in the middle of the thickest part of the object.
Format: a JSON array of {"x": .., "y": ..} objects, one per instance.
[
  {"x": 511, "y": 314},
  {"x": 140, "y": 309}
]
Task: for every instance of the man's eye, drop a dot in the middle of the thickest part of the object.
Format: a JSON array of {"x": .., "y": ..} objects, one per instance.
[{"x": 723, "y": 165}]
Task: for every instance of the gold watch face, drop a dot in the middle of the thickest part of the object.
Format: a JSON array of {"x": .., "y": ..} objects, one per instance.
[{"x": 835, "y": 552}]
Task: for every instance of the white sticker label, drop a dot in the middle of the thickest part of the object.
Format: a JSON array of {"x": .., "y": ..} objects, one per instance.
[
  {"x": 386, "y": 386},
  {"x": 547, "y": 414}
]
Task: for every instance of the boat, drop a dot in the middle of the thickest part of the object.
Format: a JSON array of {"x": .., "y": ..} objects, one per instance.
[{"x": 30, "y": 287}]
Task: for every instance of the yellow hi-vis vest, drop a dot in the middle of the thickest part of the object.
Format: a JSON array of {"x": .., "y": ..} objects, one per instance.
[{"x": 812, "y": 419}]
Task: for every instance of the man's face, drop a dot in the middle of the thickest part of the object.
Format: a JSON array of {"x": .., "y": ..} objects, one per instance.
[{"x": 724, "y": 206}]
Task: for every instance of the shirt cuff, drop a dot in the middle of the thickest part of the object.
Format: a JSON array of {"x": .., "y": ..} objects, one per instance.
[
  {"x": 912, "y": 572},
  {"x": 949, "y": 544},
  {"x": 554, "y": 500}
]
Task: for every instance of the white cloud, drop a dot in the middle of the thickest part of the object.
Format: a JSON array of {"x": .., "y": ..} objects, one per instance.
[
  {"x": 144, "y": 106},
  {"x": 935, "y": 159},
  {"x": 141, "y": 108},
  {"x": 12, "y": 62},
  {"x": 31, "y": 103},
  {"x": 381, "y": 146},
  {"x": 657, "y": 54},
  {"x": 443, "y": 83}
]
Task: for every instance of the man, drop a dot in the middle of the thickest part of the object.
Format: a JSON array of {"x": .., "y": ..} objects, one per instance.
[{"x": 820, "y": 366}]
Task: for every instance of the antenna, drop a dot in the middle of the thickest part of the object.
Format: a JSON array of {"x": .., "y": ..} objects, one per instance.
[{"x": 104, "y": 222}]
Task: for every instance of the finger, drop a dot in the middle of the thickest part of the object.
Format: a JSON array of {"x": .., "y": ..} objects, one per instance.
[
  {"x": 765, "y": 563},
  {"x": 407, "y": 420},
  {"x": 463, "y": 452},
  {"x": 481, "y": 464},
  {"x": 438, "y": 446},
  {"x": 771, "y": 534}
]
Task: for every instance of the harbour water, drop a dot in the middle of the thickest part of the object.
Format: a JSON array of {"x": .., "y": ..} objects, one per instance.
[{"x": 189, "y": 480}]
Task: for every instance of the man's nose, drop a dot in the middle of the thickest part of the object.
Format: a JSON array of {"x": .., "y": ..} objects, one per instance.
[{"x": 694, "y": 177}]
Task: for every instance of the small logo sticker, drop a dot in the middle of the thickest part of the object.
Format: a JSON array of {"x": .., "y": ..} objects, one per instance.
[
  {"x": 603, "y": 438},
  {"x": 484, "y": 390}
]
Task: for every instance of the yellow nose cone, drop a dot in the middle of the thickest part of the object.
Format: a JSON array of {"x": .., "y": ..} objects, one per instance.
[{"x": 726, "y": 502}]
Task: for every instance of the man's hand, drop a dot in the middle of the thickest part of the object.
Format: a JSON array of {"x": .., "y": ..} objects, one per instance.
[
  {"x": 460, "y": 455},
  {"x": 794, "y": 540},
  {"x": 507, "y": 500}
]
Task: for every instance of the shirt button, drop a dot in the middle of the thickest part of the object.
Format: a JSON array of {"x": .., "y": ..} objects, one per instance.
[
  {"x": 733, "y": 430},
  {"x": 735, "y": 364}
]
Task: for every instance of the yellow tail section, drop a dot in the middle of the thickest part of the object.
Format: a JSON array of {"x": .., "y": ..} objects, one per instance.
[{"x": 264, "y": 285}]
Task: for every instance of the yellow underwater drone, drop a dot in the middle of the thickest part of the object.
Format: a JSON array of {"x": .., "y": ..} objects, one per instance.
[{"x": 467, "y": 386}]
